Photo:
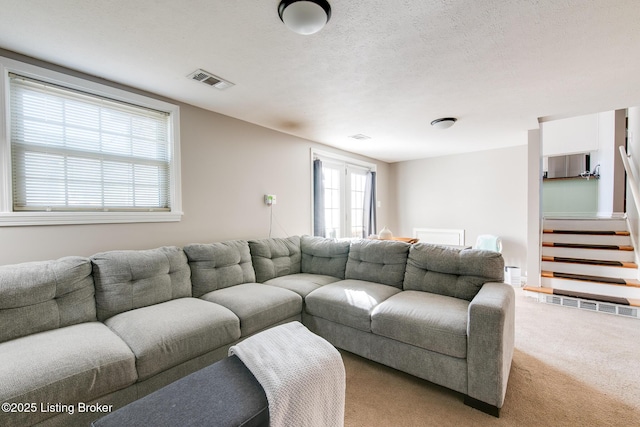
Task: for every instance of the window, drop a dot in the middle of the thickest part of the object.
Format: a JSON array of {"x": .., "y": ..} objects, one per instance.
[
  {"x": 78, "y": 152},
  {"x": 343, "y": 192},
  {"x": 333, "y": 199},
  {"x": 356, "y": 188}
]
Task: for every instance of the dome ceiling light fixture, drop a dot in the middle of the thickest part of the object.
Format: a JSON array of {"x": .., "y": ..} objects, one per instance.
[
  {"x": 444, "y": 123},
  {"x": 304, "y": 16}
]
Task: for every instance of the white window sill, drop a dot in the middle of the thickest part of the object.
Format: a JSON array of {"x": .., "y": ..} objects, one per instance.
[{"x": 59, "y": 218}]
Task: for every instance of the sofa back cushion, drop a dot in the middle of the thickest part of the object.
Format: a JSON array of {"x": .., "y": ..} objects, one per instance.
[
  {"x": 458, "y": 273},
  {"x": 381, "y": 261},
  {"x": 219, "y": 265},
  {"x": 275, "y": 257},
  {"x": 126, "y": 280},
  {"x": 324, "y": 256},
  {"x": 45, "y": 295}
]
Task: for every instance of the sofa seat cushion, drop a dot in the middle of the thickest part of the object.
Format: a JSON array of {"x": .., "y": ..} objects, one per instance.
[
  {"x": 258, "y": 306},
  {"x": 167, "y": 334},
  {"x": 430, "y": 321},
  {"x": 302, "y": 283},
  {"x": 348, "y": 302},
  {"x": 77, "y": 363}
]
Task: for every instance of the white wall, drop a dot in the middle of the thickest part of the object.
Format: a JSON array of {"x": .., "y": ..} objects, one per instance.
[
  {"x": 483, "y": 193},
  {"x": 534, "y": 207},
  {"x": 611, "y": 133},
  {"x": 227, "y": 167},
  {"x": 605, "y": 158},
  {"x": 570, "y": 136}
]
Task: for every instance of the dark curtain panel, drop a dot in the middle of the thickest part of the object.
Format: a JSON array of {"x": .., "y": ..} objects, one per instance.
[
  {"x": 318, "y": 200},
  {"x": 370, "y": 205}
]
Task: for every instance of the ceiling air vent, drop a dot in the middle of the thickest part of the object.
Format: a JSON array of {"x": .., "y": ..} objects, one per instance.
[
  {"x": 209, "y": 79},
  {"x": 360, "y": 137}
]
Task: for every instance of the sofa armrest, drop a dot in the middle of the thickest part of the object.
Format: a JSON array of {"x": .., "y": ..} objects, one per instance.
[{"x": 490, "y": 342}]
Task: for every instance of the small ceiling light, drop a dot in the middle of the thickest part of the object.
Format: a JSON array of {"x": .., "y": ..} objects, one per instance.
[
  {"x": 304, "y": 16},
  {"x": 444, "y": 123}
]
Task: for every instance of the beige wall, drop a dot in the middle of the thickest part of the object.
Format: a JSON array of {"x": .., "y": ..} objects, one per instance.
[
  {"x": 483, "y": 193},
  {"x": 227, "y": 167}
]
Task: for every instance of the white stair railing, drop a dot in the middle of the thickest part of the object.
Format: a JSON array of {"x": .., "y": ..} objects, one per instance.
[
  {"x": 635, "y": 193},
  {"x": 631, "y": 179}
]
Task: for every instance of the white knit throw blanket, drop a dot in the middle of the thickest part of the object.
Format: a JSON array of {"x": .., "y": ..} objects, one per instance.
[{"x": 301, "y": 373}]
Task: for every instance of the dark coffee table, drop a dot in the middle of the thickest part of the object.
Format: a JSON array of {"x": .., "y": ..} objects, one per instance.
[{"x": 223, "y": 394}]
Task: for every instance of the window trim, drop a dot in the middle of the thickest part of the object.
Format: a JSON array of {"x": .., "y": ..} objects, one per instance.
[
  {"x": 335, "y": 159},
  {"x": 9, "y": 217}
]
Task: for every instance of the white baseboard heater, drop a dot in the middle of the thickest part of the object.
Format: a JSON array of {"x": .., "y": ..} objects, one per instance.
[{"x": 439, "y": 236}]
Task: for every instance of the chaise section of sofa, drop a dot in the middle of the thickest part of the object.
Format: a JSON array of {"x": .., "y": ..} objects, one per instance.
[
  {"x": 52, "y": 349},
  {"x": 145, "y": 298},
  {"x": 222, "y": 273}
]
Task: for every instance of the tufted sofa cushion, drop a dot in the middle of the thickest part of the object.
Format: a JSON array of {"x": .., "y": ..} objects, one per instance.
[
  {"x": 126, "y": 280},
  {"x": 219, "y": 265},
  {"x": 275, "y": 257},
  {"x": 380, "y": 261},
  {"x": 324, "y": 256},
  {"x": 453, "y": 272},
  {"x": 45, "y": 295}
]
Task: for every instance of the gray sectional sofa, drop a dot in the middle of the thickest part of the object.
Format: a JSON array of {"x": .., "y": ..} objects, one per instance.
[{"x": 80, "y": 337}]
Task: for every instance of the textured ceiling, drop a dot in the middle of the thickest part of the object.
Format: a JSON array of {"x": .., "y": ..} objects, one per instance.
[{"x": 381, "y": 68}]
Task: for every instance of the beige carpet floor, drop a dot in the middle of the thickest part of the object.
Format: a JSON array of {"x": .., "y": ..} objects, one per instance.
[{"x": 570, "y": 368}]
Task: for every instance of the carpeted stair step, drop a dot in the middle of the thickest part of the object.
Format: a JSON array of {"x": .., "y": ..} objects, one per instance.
[
  {"x": 598, "y": 279},
  {"x": 594, "y": 297},
  {"x": 604, "y": 263},
  {"x": 587, "y": 246},
  {"x": 589, "y": 232}
]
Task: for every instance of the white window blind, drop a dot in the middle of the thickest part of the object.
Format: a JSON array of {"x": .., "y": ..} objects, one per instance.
[{"x": 73, "y": 151}]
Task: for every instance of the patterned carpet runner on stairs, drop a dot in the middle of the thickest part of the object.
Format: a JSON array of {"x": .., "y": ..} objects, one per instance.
[{"x": 574, "y": 256}]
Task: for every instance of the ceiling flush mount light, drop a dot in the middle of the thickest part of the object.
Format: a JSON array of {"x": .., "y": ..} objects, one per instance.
[
  {"x": 444, "y": 123},
  {"x": 304, "y": 16}
]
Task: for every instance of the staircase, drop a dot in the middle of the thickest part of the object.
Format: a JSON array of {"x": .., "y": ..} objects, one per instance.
[{"x": 589, "y": 263}]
